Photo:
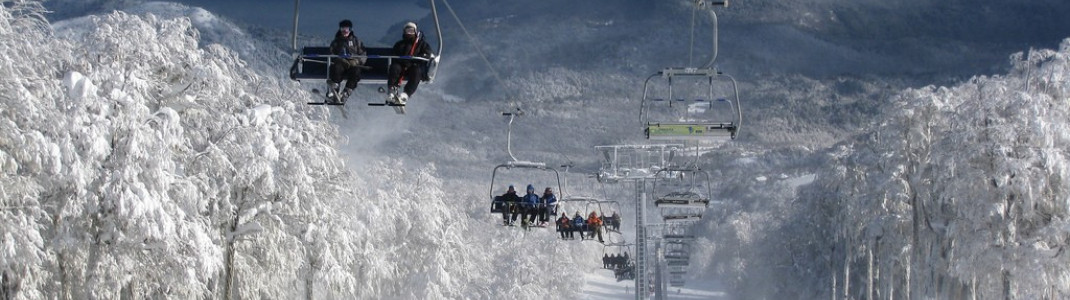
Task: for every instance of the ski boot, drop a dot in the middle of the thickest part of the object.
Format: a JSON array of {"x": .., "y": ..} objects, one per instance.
[
  {"x": 345, "y": 95},
  {"x": 332, "y": 91},
  {"x": 392, "y": 95}
]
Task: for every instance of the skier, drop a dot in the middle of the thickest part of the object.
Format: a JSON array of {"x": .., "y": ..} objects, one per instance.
[
  {"x": 548, "y": 203},
  {"x": 530, "y": 201},
  {"x": 578, "y": 224},
  {"x": 564, "y": 227},
  {"x": 411, "y": 44},
  {"x": 347, "y": 65},
  {"x": 595, "y": 225},
  {"x": 509, "y": 201}
]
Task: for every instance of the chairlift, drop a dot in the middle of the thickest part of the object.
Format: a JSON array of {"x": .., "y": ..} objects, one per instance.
[
  {"x": 499, "y": 206},
  {"x": 529, "y": 167},
  {"x": 695, "y": 127},
  {"x": 630, "y": 162},
  {"x": 620, "y": 249},
  {"x": 677, "y": 263},
  {"x": 314, "y": 62},
  {"x": 691, "y": 119},
  {"x": 682, "y": 199},
  {"x": 689, "y": 198},
  {"x": 679, "y": 238},
  {"x": 678, "y": 256},
  {"x": 681, "y": 217},
  {"x": 590, "y": 204},
  {"x": 611, "y": 223}
]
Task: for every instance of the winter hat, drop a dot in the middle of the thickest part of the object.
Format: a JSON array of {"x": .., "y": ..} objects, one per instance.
[
  {"x": 531, "y": 188},
  {"x": 409, "y": 24},
  {"x": 345, "y": 23}
]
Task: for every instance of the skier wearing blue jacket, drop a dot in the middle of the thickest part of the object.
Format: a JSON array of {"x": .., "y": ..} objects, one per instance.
[
  {"x": 579, "y": 224},
  {"x": 529, "y": 202},
  {"x": 547, "y": 206}
]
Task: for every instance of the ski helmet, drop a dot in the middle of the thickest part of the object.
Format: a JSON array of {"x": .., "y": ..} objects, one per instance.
[{"x": 345, "y": 23}]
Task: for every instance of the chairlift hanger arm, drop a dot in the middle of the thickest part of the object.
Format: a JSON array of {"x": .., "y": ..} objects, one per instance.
[{"x": 524, "y": 165}]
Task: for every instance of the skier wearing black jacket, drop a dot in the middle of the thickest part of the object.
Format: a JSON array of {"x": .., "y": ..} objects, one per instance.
[
  {"x": 413, "y": 44},
  {"x": 347, "y": 65},
  {"x": 511, "y": 202}
]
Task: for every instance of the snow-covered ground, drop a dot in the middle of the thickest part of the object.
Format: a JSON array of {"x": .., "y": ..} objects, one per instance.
[{"x": 600, "y": 284}]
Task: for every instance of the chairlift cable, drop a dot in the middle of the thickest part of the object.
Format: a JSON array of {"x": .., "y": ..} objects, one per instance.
[
  {"x": 691, "y": 49},
  {"x": 475, "y": 43}
]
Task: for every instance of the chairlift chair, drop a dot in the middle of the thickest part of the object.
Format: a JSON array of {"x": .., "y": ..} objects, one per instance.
[
  {"x": 630, "y": 162},
  {"x": 693, "y": 129},
  {"x": 618, "y": 249},
  {"x": 499, "y": 206},
  {"x": 698, "y": 126},
  {"x": 612, "y": 224},
  {"x": 590, "y": 204},
  {"x": 679, "y": 238},
  {"x": 684, "y": 199},
  {"x": 314, "y": 62},
  {"x": 677, "y": 256},
  {"x": 677, "y": 263},
  {"x": 681, "y": 217}
]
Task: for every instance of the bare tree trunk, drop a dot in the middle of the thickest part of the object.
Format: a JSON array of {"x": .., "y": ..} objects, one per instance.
[
  {"x": 847, "y": 273},
  {"x": 228, "y": 260},
  {"x": 832, "y": 267},
  {"x": 973, "y": 288},
  {"x": 127, "y": 292},
  {"x": 869, "y": 273},
  {"x": 229, "y": 246},
  {"x": 64, "y": 278},
  {"x": 8, "y": 285},
  {"x": 908, "y": 278},
  {"x": 890, "y": 282},
  {"x": 1006, "y": 275},
  {"x": 313, "y": 267}
]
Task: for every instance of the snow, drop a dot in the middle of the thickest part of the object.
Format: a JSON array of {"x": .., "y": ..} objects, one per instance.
[
  {"x": 600, "y": 284},
  {"x": 160, "y": 151}
]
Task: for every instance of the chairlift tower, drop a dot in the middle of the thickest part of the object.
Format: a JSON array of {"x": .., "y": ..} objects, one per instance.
[
  {"x": 694, "y": 123},
  {"x": 639, "y": 164}
]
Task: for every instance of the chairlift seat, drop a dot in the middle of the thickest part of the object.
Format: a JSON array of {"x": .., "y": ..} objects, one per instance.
[
  {"x": 691, "y": 131},
  {"x": 681, "y": 217},
  {"x": 314, "y": 63},
  {"x": 679, "y": 257},
  {"x": 682, "y": 199},
  {"x": 680, "y": 263},
  {"x": 679, "y": 237}
]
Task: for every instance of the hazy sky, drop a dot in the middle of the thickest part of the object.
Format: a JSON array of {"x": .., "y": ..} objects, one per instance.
[{"x": 371, "y": 18}]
